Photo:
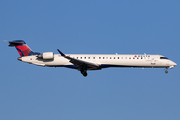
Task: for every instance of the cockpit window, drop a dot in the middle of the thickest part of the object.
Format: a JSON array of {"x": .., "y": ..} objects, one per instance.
[{"x": 163, "y": 58}]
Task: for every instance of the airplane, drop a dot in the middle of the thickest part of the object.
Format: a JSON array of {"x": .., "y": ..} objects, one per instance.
[{"x": 85, "y": 62}]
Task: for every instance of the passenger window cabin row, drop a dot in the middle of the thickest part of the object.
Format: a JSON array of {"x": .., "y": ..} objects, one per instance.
[{"x": 112, "y": 57}]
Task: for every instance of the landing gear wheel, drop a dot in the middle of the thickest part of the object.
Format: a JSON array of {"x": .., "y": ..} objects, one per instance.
[{"x": 84, "y": 73}]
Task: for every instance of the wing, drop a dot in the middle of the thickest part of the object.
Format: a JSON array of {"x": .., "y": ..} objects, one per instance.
[{"x": 80, "y": 64}]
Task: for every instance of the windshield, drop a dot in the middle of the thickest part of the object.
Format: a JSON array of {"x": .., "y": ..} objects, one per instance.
[{"x": 163, "y": 58}]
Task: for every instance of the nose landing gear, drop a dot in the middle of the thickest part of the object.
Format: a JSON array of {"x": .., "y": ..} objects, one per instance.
[{"x": 166, "y": 70}]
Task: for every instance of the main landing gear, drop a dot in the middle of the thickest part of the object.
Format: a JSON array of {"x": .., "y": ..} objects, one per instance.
[
  {"x": 84, "y": 72},
  {"x": 166, "y": 70}
]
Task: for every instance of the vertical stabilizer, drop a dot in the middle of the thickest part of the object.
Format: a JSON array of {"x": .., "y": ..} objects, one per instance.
[{"x": 22, "y": 48}]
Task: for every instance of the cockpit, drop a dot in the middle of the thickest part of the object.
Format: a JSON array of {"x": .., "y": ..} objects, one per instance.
[{"x": 163, "y": 58}]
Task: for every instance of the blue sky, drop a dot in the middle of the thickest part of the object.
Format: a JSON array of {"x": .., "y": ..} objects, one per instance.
[{"x": 89, "y": 27}]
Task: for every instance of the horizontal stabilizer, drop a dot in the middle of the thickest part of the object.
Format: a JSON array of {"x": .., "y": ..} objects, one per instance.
[{"x": 15, "y": 43}]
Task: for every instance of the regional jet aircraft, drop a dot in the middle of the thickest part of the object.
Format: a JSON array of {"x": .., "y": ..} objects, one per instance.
[{"x": 84, "y": 62}]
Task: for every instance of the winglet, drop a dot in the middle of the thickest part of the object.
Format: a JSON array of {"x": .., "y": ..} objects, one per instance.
[{"x": 62, "y": 54}]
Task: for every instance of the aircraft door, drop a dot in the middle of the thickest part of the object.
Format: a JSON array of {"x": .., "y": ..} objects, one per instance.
[{"x": 153, "y": 62}]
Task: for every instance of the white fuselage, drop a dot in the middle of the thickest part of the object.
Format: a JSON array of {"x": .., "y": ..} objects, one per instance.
[{"x": 104, "y": 60}]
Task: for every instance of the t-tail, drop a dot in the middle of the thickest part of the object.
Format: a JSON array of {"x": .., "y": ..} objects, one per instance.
[{"x": 22, "y": 48}]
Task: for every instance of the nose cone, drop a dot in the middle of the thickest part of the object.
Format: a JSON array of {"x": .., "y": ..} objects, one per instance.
[{"x": 174, "y": 64}]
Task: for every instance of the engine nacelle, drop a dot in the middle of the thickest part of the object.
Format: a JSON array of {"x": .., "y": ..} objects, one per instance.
[{"x": 47, "y": 55}]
